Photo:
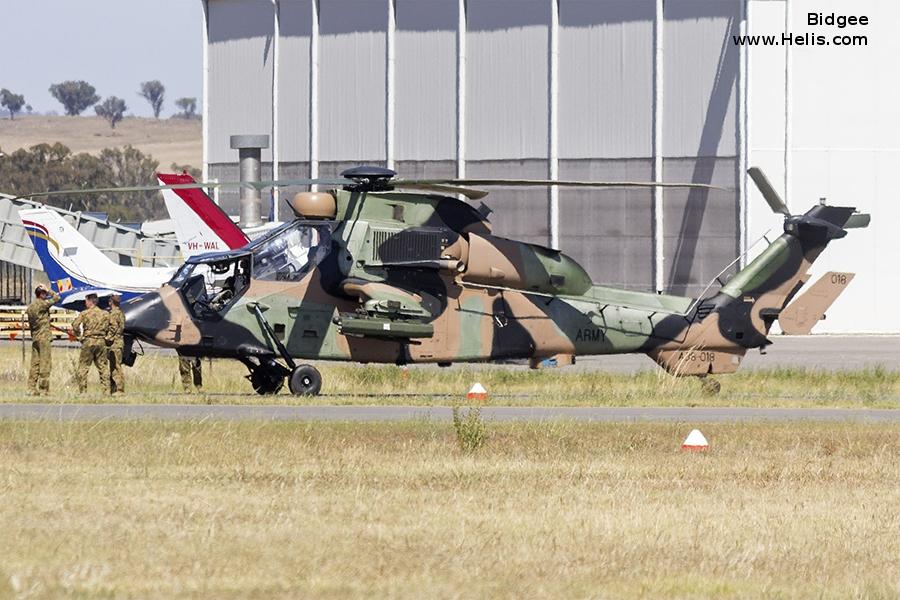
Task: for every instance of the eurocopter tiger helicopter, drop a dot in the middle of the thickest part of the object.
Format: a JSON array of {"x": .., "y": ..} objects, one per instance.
[{"x": 370, "y": 273}]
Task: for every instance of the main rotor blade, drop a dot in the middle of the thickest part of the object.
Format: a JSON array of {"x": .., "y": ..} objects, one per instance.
[
  {"x": 557, "y": 182},
  {"x": 452, "y": 186},
  {"x": 183, "y": 186},
  {"x": 768, "y": 192},
  {"x": 470, "y": 193}
]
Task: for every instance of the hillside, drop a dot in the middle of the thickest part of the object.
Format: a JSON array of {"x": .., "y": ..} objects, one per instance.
[{"x": 167, "y": 140}]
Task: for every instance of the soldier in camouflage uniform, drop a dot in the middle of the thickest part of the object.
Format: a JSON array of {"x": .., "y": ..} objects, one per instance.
[
  {"x": 92, "y": 329},
  {"x": 191, "y": 372},
  {"x": 39, "y": 323},
  {"x": 115, "y": 341}
]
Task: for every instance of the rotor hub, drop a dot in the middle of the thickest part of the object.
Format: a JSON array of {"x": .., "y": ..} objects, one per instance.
[{"x": 369, "y": 178}]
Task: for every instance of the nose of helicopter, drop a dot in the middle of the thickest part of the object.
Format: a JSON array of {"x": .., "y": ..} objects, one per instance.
[{"x": 146, "y": 316}]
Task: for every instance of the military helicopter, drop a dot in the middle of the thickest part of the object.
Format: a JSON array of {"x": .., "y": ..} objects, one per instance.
[{"x": 388, "y": 270}]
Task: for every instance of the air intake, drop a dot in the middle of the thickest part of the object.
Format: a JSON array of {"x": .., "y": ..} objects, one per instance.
[{"x": 399, "y": 246}]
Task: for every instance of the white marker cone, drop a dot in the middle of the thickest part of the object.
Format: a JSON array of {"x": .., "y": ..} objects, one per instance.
[
  {"x": 477, "y": 392},
  {"x": 695, "y": 441}
]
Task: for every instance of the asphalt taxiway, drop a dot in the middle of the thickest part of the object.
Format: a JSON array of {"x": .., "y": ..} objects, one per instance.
[{"x": 232, "y": 412}]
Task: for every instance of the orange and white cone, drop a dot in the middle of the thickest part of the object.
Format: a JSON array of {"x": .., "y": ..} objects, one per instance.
[
  {"x": 695, "y": 441},
  {"x": 477, "y": 392}
]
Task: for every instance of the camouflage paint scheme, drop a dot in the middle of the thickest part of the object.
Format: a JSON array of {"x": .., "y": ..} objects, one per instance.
[{"x": 417, "y": 278}]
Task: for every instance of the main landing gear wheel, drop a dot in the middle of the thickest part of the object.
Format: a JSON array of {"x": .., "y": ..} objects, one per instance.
[
  {"x": 305, "y": 381},
  {"x": 266, "y": 382}
]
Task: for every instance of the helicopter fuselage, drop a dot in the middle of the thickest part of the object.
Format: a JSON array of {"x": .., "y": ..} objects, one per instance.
[{"x": 412, "y": 278}]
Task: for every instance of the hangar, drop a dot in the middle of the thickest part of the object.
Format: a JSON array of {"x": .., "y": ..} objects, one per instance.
[{"x": 581, "y": 89}]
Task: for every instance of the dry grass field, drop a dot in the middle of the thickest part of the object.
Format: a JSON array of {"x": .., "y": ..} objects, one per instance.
[
  {"x": 155, "y": 379},
  {"x": 167, "y": 140},
  {"x": 240, "y": 510}
]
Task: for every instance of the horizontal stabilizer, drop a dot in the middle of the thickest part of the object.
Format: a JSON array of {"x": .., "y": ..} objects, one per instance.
[
  {"x": 799, "y": 317},
  {"x": 858, "y": 221}
]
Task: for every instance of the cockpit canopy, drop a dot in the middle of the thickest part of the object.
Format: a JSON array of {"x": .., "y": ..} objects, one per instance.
[
  {"x": 290, "y": 251},
  {"x": 211, "y": 282}
]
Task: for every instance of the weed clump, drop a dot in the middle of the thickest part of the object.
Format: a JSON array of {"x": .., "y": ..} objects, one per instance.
[{"x": 471, "y": 433}]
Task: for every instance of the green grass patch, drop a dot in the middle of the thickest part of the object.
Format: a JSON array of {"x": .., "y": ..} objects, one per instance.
[{"x": 155, "y": 379}]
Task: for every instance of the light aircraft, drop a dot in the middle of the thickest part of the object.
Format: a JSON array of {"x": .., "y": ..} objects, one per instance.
[{"x": 76, "y": 268}]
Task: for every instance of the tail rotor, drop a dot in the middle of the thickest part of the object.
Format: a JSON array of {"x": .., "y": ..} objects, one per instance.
[{"x": 772, "y": 198}]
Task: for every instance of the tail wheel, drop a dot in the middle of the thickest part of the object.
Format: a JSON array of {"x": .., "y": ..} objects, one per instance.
[
  {"x": 266, "y": 382},
  {"x": 305, "y": 381}
]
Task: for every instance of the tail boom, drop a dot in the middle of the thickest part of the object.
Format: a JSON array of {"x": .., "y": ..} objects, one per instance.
[{"x": 720, "y": 330}]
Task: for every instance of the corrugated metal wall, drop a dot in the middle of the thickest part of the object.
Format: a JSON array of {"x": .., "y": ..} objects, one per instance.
[
  {"x": 604, "y": 101},
  {"x": 606, "y": 79},
  {"x": 700, "y": 140},
  {"x": 425, "y": 84},
  {"x": 606, "y": 133},
  {"x": 293, "y": 82},
  {"x": 352, "y": 84},
  {"x": 240, "y": 73},
  {"x": 506, "y": 87}
]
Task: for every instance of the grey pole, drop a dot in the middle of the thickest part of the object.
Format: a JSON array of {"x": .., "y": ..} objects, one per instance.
[{"x": 249, "y": 149}]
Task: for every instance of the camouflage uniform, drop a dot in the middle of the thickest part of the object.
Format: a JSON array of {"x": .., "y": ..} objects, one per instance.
[
  {"x": 116, "y": 344},
  {"x": 190, "y": 372},
  {"x": 39, "y": 323},
  {"x": 92, "y": 328}
]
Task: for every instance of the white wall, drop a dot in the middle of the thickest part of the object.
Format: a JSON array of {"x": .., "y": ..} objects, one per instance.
[{"x": 844, "y": 146}]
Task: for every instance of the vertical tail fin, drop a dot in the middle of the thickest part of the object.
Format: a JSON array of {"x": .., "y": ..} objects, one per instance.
[
  {"x": 75, "y": 267},
  {"x": 200, "y": 225},
  {"x": 67, "y": 256}
]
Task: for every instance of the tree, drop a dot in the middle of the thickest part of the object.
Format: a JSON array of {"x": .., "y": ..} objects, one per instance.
[
  {"x": 154, "y": 92},
  {"x": 188, "y": 107},
  {"x": 75, "y": 96},
  {"x": 48, "y": 167},
  {"x": 11, "y": 102},
  {"x": 129, "y": 167},
  {"x": 192, "y": 171},
  {"x": 112, "y": 109}
]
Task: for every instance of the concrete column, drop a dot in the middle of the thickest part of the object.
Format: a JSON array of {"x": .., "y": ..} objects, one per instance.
[
  {"x": 249, "y": 149},
  {"x": 658, "y": 210},
  {"x": 461, "y": 89},
  {"x": 389, "y": 85},
  {"x": 314, "y": 94},
  {"x": 787, "y": 107},
  {"x": 553, "y": 121},
  {"x": 276, "y": 155},
  {"x": 744, "y": 136},
  {"x": 204, "y": 106}
]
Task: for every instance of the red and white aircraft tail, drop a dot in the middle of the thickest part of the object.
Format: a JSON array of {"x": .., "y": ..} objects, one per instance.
[{"x": 200, "y": 225}]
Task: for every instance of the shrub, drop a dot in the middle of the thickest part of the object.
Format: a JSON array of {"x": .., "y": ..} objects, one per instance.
[{"x": 471, "y": 433}]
